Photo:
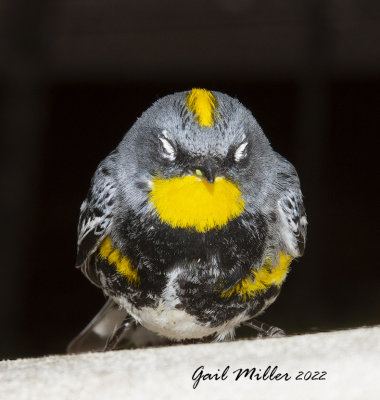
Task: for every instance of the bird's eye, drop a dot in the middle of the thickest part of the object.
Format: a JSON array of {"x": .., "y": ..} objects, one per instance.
[
  {"x": 167, "y": 147},
  {"x": 241, "y": 152}
]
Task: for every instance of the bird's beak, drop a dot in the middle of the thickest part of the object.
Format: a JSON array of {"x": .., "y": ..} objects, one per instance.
[{"x": 207, "y": 169}]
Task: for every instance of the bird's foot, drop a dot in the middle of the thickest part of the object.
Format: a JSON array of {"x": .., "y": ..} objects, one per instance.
[
  {"x": 118, "y": 333},
  {"x": 264, "y": 330}
]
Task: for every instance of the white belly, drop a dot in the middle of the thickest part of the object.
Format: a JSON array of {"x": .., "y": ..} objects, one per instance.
[{"x": 178, "y": 324}]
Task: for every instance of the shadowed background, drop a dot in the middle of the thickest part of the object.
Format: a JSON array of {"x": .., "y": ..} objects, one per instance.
[{"x": 74, "y": 76}]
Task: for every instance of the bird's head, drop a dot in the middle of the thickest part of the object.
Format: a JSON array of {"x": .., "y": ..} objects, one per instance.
[{"x": 199, "y": 154}]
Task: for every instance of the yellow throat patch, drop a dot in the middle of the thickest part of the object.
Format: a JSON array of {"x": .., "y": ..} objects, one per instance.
[
  {"x": 202, "y": 104},
  {"x": 257, "y": 281},
  {"x": 122, "y": 264},
  {"x": 192, "y": 202}
]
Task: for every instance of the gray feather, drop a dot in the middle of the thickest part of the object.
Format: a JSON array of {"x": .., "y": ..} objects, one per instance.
[
  {"x": 96, "y": 215},
  {"x": 293, "y": 222}
]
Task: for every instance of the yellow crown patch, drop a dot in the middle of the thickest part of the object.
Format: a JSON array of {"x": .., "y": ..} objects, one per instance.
[{"x": 202, "y": 104}]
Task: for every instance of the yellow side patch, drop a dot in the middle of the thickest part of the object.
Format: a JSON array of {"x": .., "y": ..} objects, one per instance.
[
  {"x": 202, "y": 104},
  {"x": 261, "y": 279},
  {"x": 122, "y": 264},
  {"x": 193, "y": 202}
]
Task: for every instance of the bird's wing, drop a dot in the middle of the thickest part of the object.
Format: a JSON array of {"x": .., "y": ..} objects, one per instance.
[
  {"x": 292, "y": 212},
  {"x": 294, "y": 222},
  {"x": 96, "y": 215}
]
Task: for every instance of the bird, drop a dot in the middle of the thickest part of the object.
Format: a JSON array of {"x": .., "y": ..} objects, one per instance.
[{"x": 189, "y": 226}]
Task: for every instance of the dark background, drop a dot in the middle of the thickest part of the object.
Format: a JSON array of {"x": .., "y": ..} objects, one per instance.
[{"x": 74, "y": 76}]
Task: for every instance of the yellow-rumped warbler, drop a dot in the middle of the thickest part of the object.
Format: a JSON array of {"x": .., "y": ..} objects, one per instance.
[{"x": 190, "y": 225}]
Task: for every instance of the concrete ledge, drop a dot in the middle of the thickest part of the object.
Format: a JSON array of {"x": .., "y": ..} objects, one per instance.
[{"x": 351, "y": 360}]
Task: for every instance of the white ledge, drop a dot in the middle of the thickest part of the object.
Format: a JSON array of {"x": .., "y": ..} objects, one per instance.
[{"x": 351, "y": 360}]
